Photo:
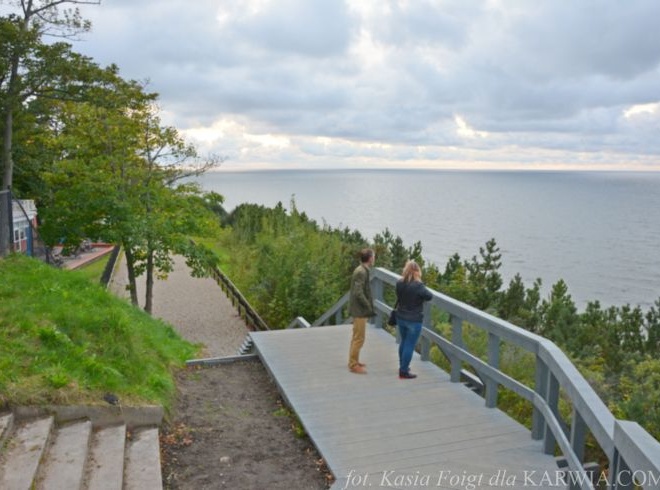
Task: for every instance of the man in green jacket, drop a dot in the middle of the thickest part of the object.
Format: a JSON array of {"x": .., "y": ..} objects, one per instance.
[{"x": 360, "y": 307}]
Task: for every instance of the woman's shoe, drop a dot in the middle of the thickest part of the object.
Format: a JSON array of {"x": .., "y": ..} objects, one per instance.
[{"x": 406, "y": 375}]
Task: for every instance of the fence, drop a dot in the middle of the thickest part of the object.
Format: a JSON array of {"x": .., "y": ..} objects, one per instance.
[
  {"x": 110, "y": 266},
  {"x": 244, "y": 308},
  {"x": 633, "y": 454}
]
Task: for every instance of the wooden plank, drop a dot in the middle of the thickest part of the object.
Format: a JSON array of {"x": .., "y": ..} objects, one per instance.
[{"x": 378, "y": 425}]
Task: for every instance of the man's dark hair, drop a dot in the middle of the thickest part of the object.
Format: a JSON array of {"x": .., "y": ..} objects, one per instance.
[{"x": 366, "y": 254}]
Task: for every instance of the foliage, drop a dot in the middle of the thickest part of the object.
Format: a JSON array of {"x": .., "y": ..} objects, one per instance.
[
  {"x": 116, "y": 179},
  {"x": 32, "y": 70},
  {"x": 639, "y": 392},
  {"x": 288, "y": 265},
  {"x": 65, "y": 340}
]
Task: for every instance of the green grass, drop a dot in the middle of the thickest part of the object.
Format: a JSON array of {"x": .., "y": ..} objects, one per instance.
[
  {"x": 218, "y": 245},
  {"x": 93, "y": 271},
  {"x": 65, "y": 340}
]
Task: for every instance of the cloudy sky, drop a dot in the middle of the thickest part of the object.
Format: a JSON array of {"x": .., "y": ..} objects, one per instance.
[{"x": 397, "y": 83}]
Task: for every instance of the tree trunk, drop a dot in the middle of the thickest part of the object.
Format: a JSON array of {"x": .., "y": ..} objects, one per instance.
[
  {"x": 148, "y": 304},
  {"x": 6, "y": 161},
  {"x": 130, "y": 267}
]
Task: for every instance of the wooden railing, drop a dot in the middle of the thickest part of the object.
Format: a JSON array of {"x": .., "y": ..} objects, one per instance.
[
  {"x": 110, "y": 266},
  {"x": 628, "y": 447},
  {"x": 239, "y": 302}
]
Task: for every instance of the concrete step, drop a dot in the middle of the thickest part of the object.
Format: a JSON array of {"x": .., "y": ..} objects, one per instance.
[
  {"x": 37, "y": 454},
  {"x": 143, "y": 461},
  {"x": 23, "y": 454},
  {"x": 6, "y": 425},
  {"x": 106, "y": 461},
  {"x": 64, "y": 465}
]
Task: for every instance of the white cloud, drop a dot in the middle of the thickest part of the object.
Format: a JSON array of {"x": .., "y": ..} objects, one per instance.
[
  {"x": 397, "y": 82},
  {"x": 642, "y": 109},
  {"x": 465, "y": 131}
]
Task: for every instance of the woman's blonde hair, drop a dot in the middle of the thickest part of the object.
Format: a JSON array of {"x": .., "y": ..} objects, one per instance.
[{"x": 412, "y": 272}]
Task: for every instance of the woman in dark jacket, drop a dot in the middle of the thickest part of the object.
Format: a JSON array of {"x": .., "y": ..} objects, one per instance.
[{"x": 411, "y": 294}]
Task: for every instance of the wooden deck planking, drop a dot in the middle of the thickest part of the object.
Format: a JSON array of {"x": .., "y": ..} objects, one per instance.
[{"x": 376, "y": 424}]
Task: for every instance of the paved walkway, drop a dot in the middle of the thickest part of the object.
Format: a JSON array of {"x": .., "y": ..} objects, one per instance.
[
  {"x": 196, "y": 307},
  {"x": 83, "y": 258}
]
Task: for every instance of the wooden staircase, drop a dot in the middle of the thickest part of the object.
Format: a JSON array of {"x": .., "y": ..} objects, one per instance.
[{"x": 38, "y": 453}]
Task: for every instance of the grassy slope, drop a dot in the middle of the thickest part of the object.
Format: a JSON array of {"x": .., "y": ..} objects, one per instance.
[
  {"x": 65, "y": 340},
  {"x": 94, "y": 271}
]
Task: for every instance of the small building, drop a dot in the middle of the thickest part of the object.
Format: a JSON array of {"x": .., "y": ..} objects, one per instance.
[{"x": 24, "y": 215}]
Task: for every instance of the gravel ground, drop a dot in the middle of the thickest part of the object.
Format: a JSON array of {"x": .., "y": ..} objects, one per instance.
[{"x": 196, "y": 307}]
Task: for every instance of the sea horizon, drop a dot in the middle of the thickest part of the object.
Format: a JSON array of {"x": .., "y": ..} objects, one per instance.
[{"x": 596, "y": 230}]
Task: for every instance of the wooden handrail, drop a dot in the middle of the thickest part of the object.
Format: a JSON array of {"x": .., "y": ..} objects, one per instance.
[{"x": 244, "y": 308}]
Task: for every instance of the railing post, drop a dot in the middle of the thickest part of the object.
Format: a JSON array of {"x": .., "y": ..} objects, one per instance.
[
  {"x": 541, "y": 388},
  {"x": 493, "y": 361},
  {"x": 578, "y": 439},
  {"x": 617, "y": 481},
  {"x": 425, "y": 343},
  {"x": 553, "y": 402},
  {"x": 578, "y": 435},
  {"x": 377, "y": 290},
  {"x": 457, "y": 340}
]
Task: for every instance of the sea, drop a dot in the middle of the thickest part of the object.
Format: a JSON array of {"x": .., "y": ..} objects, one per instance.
[{"x": 597, "y": 231}]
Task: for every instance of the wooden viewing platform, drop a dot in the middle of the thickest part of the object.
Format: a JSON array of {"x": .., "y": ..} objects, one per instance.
[{"x": 377, "y": 431}]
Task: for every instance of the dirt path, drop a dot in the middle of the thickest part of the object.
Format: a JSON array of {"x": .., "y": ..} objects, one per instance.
[{"x": 229, "y": 428}]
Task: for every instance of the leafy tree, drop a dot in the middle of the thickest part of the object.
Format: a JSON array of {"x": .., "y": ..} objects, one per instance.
[
  {"x": 453, "y": 281},
  {"x": 214, "y": 202},
  {"x": 393, "y": 254},
  {"x": 484, "y": 278},
  {"x": 631, "y": 321},
  {"x": 652, "y": 327},
  {"x": 170, "y": 216},
  {"x": 598, "y": 337},
  {"x": 294, "y": 268},
  {"x": 520, "y": 305},
  {"x": 513, "y": 300},
  {"x": 637, "y": 393},
  {"x": 559, "y": 318},
  {"x": 117, "y": 178},
  {"x": 29, "y": 66}
]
